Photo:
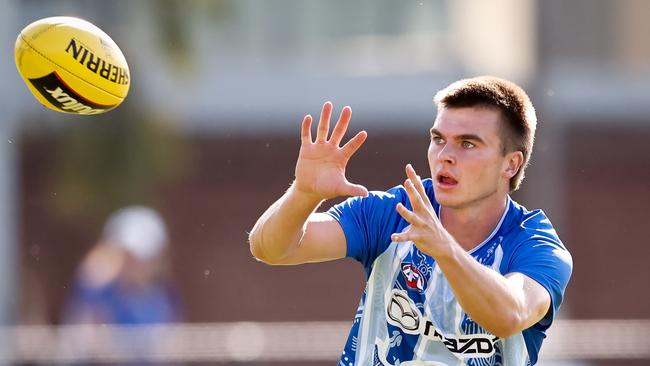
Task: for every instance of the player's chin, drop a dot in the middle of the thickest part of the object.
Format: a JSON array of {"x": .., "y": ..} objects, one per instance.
[{"x": 447, "y": 198}]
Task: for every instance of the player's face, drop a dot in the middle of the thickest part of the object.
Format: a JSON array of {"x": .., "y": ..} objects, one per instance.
[{"x": 466, "y": 158}]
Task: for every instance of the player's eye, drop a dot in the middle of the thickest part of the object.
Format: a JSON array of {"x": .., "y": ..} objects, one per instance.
[
  {"x": 467, "y": 145},
  {"x": 437, "y": 140}
]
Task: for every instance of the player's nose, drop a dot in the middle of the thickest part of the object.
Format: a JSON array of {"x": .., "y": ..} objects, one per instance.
[{"x": 445, "y": 154}]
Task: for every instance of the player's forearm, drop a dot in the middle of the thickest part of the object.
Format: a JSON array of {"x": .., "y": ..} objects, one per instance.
[
  {"x": 485, "y": 295},
  {"x": 278, "y": 231}
]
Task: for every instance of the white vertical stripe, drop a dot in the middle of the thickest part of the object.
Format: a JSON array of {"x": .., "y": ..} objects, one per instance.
[
  {"x": 362, "y": 336},
  {"x": 498, "y": 257},
  {"x": 372, "y": 329}
]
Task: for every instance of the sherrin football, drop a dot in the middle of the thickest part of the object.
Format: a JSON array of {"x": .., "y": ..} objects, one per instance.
[{"x": 72, "y": 66}]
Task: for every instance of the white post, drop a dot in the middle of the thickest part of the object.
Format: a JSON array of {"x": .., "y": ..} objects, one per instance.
[{"x": 8, "y": 170}]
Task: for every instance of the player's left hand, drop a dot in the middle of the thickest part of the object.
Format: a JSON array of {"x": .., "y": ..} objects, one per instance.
[{"x": 426, "y": 230}]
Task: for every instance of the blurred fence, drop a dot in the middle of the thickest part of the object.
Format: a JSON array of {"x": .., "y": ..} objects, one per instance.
[{"x": 279, "y": 341}]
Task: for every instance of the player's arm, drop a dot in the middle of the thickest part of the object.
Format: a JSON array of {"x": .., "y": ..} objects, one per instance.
[
  {"x": 290, "y": 231},
  {"x": 504, "y": 305}
]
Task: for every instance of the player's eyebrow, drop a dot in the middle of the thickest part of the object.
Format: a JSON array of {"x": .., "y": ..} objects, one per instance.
[{"x": 465, "y": 136}]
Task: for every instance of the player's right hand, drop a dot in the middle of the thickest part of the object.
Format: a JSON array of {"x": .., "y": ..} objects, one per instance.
[{"x": 320, "y": 170}]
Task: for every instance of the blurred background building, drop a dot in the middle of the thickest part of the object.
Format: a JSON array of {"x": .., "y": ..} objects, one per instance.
[{"x": 209, "y": 134}]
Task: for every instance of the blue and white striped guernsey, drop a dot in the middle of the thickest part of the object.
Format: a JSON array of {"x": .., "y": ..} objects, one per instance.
[{"x": 408, "y": 314}]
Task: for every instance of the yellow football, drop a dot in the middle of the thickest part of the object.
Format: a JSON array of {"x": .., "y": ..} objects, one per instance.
[{"x": 72, "y": 66}]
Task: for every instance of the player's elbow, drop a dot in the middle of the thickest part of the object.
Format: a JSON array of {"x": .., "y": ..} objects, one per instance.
[
  {"x": 256, "y": 246},
  {"x": 504, "y": 331},
  {"x": 519, "y": 317},
  {"x": 507, "y": 326}
]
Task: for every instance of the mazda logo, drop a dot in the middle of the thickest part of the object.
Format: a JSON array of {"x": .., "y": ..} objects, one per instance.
[{"x": 402, "y": 311}]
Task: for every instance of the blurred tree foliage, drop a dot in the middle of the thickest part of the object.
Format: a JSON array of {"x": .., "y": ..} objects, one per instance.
[
  {"x": 174, "y": 19},
  {"x": 116, "y": 159}
]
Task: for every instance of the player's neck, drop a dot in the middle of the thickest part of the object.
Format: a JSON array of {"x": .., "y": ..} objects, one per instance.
[{"x": 471, "y": 225}]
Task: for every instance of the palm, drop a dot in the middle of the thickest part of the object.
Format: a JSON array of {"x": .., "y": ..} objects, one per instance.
[{"x": 320, "y": 170}]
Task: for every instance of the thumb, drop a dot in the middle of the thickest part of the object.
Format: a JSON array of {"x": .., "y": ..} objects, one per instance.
[{"x": 355, "y": 190}]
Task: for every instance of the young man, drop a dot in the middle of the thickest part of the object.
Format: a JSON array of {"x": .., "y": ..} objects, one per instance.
[{"x": 458, "y": 273}]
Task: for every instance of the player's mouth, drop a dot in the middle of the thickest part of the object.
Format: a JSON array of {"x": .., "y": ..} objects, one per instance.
[{"x": 445, "y": 180}]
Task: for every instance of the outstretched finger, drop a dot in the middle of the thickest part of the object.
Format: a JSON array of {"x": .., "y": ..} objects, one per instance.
[
  {"x": 401, "y": 237},
  {"x": 417, "y": 183},
  {"x": 324, "y": 122},
  {"x": 355, "y": 190},
  {"x": 341, "y": 126},
  {"x": 354, "y": 144},
  {"x": 409, "y": 215},
  {"x": 305, "y": 130},
  {"x": 414, "y": 197}
]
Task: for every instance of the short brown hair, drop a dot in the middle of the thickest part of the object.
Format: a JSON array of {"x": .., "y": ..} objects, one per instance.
[{"x": 518, "y": 132}]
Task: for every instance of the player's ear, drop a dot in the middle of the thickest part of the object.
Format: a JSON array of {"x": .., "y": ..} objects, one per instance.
[{"x": 512, "y": 164}]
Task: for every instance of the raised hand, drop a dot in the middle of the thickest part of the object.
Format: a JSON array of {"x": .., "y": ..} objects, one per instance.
[
  {"x": 320, "y": 170},
  {"x": 426, "y": 230}
]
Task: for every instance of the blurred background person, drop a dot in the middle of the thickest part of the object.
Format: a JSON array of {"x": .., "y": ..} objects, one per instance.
[{"x": 124, "y": 280}]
